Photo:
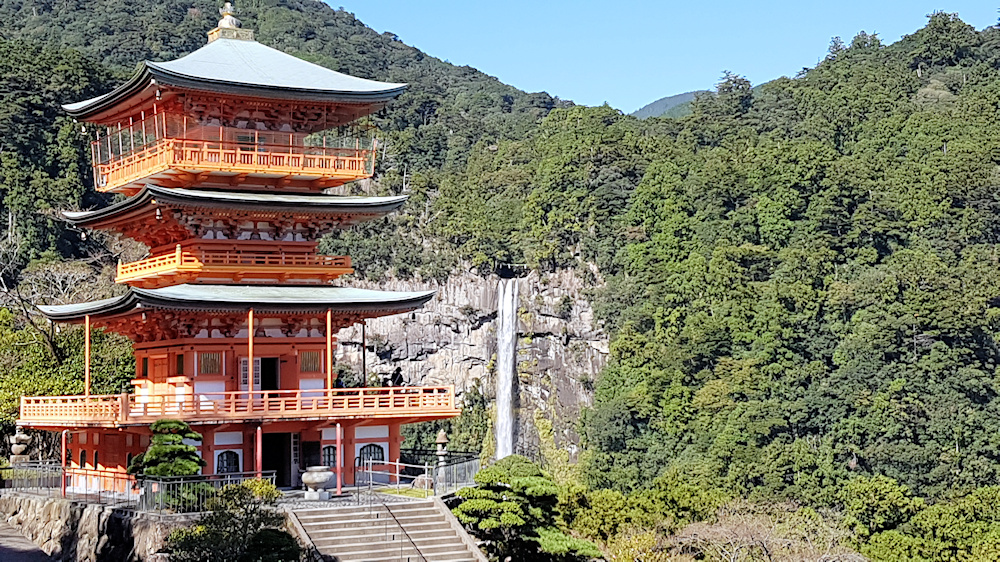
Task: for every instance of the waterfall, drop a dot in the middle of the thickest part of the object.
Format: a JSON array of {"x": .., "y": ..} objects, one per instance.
[{"x": 506, "y": 366}]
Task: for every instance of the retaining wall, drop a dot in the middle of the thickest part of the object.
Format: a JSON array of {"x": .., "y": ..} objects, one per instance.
[{"x": 74, "y": 532}]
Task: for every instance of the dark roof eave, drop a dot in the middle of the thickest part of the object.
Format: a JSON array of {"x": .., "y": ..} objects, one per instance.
[
  {"x": 136, "y": 84},
  {"x": 154, "y": 299},
  {"x": 194, "y": 83},
  {"x": 267, "y": 201},
  {"x": 148, "y": 73},
  {"x": 77, "y": 313}
]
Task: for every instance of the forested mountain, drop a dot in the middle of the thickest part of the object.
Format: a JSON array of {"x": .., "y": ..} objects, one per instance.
[
  {"x": 678, "y": 105},
  {"x": 801, "y": 279}
]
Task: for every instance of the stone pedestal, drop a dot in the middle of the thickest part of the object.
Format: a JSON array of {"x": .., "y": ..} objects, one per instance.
[
  {"x": 321, "y": 495},
  {"x": 316, "y": 479},
  {"x": 14, "y": 459}
]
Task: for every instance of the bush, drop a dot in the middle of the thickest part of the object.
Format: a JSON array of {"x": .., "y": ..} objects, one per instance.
[
  {"x": 243, "y": 526},
  {"x": 514, "y": 509}
]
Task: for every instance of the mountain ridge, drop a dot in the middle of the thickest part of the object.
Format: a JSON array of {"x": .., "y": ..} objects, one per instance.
[{"x": 677, "y": 105}]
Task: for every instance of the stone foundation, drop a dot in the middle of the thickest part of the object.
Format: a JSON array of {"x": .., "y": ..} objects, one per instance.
[{"x": 74, "y": 532}]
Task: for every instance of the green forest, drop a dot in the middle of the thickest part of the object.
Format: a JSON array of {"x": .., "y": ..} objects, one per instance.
[{"x": 801, "y": 278}]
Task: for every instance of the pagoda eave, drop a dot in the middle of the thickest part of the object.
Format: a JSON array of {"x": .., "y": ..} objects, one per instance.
[
  {"x": 280, "y": 299},
  {"x": 151, "y": 197}
]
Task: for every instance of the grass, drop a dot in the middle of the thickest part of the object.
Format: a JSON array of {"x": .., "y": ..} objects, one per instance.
[{"x": 407, "y": 492}]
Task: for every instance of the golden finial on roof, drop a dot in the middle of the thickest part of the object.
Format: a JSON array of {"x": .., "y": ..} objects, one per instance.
[
  {"x": 229, "y": 26},
  {"x": 229, "y": 21}
]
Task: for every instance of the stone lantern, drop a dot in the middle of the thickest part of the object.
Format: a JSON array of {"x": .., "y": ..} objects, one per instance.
[
  {"x": 442, "y": 448},
  {"x": 18, "y": 445}
]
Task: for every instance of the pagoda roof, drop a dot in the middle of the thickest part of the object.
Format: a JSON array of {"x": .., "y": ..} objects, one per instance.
[
  {"x": 241, "y": 298},
  {"x": 244, "y": 67},
  {"x": 242, "y": 200}
]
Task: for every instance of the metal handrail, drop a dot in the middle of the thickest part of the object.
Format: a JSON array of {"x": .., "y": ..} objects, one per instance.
[{"x": 393, "y": 515}]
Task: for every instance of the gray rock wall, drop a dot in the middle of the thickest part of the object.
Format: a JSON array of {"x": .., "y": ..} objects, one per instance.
[
  {"x": 74, "y": 532},
  {"x": 452, "y": 340}
]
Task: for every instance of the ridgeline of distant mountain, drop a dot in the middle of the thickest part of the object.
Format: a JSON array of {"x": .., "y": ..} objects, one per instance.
[{"x": 671, "y": 106}]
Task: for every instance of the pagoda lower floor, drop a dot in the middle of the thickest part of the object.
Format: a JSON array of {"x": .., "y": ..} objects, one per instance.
[{"x": 286, "y": 447}]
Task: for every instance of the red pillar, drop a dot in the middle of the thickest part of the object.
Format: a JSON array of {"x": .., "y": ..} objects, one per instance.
[
  {"x": 340, "y": 459},
  {"x": 395, "y": 439},
  {"x": 86, "y": 355},
  {"x": 329, "y": 349},
  {"x": 208, "y": 451},
  {"x": 65, "y": 434},
  {"x": 259, "y": 461}
]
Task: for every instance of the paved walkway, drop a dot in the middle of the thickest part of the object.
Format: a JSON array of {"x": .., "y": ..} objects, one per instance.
[{"x": 14, "y": 547}]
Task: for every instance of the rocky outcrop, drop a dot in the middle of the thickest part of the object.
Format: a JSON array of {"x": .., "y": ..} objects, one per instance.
[
  {"x": 452, "y": 340},
  {"x": 74, "y": 532}
]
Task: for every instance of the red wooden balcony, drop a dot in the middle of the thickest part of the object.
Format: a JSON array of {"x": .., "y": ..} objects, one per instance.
[
  {"x": 185, "y": 163},
  {"x": 115, "y": 410},
  {"x": 185, "y": 265},
  {"x": 175, "y": 150}
]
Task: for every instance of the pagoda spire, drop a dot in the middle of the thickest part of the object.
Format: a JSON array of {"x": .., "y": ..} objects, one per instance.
[
  {"x": 229, "y": 21},
  {"x": 229, "y": 27}
]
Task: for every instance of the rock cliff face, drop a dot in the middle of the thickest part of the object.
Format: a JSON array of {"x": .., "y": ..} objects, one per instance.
[{"x": 452, "y": 340}]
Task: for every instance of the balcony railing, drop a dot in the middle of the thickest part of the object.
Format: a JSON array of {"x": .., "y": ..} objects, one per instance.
[
  {"x": 237, "y": 265},
  {"x": 195, "y": 156},
  {"x": 433, "y": 402}
]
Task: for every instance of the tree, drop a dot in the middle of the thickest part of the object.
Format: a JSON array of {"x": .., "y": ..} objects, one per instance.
[
  {"x": 513, "y": 508},
  {"x": 242, "y": 526},
  {"x": 167, "y": 454}
]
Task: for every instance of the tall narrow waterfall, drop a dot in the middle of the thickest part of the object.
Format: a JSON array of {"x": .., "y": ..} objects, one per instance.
[{"x": 506, "y": 366}]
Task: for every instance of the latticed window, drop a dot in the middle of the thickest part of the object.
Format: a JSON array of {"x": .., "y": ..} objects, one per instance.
[
  {"x": 229, "y": 461},
  {"x": 309, "y": 361},
  {"x": 210, "y": 363},
  {"x": 372, "y": 452},
  {"x": 330, "y": 455}
]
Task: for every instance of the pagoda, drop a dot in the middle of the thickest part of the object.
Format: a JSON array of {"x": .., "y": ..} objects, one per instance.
[{"x": 225, "y": 157}]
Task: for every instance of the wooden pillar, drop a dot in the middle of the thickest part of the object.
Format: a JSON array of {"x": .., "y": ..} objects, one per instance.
[
  {"x": 259, "y": 453},
  {"x": 329, "y": 348},
  {"x": 65, "y": 436},
  {"x": 208, "y": 450},
  {"x": 394, "y": 441},
  {"x": 250, "y": 370},
  {"x": 340, "y": 459},
  {"x": 86, "y": 355},
  {"x": 364, "y": 352}
]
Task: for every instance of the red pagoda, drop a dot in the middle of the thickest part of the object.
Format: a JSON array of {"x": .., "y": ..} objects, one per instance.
[{"x": 224, "y": 156}]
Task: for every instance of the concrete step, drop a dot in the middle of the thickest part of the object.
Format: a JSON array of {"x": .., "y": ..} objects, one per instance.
[
  {"x": 373, "y": 522},
  {"x": 347, "y": 514},
  {"x": 369, "y": 535},
  {"x": 395, "y": 554},
  {"x": 399, "y": 544},
  {"x": 410, "y": 532}
]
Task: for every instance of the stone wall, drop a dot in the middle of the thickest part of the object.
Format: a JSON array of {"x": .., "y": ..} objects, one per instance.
[
  {"x": 452, "y": 340},
  {"x": 74, "y": 532}
]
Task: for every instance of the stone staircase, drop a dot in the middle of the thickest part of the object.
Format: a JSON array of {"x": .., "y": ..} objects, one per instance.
[{"x": 414, "y": 531}]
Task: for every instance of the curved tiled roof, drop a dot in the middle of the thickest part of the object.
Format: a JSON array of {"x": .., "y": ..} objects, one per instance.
[{"x": 236, "y": 66}]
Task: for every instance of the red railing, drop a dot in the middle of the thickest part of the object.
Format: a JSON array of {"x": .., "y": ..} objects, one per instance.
[
  {"x": 233, "y": 261},
  {"x": 208, "y": 155},
  {"x": 116, "y": 409}
]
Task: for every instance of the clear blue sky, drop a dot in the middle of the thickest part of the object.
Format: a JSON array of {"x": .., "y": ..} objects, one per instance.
[{"x": 631, "y": 52}]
